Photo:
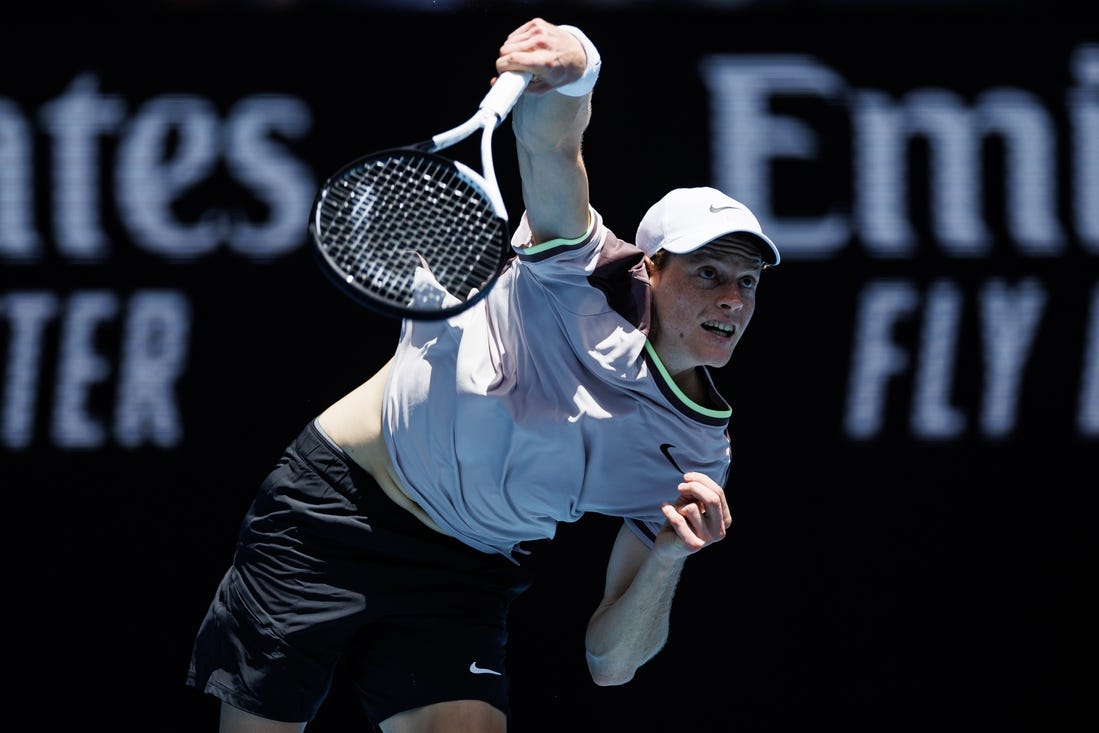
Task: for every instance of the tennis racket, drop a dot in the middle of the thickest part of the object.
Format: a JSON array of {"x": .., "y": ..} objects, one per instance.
[{"x": 413, "y": 234}]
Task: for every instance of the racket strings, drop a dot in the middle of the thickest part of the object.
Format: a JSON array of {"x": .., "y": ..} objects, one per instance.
[{"x": 381, "y": 220}]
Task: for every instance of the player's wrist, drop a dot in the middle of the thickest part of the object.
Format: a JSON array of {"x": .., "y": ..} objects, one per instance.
[{"x": 586, "y": 82}]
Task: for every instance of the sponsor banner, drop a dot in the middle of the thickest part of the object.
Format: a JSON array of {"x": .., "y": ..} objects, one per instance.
[{"x": 915, "y": 405}]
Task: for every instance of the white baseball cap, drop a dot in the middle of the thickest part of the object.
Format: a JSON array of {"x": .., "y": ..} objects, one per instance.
[{"x": 687, "y": 218}]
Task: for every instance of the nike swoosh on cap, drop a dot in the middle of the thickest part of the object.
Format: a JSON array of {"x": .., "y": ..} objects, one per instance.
[
  {"x": 481, "y": 670},
  {"x": 715, "y": 209}
]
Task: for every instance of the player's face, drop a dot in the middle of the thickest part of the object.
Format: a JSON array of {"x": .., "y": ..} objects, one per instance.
[{"x": 702, "y": 303}]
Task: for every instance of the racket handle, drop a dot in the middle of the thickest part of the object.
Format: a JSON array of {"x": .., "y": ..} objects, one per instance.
[{"x": 505, "y": 93}]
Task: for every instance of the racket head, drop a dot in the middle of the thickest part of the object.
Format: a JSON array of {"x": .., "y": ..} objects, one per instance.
[{"x": 410, "y": 234}]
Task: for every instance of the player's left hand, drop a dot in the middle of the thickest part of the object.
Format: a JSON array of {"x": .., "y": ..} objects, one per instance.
[{"x": 699, "y": 517}]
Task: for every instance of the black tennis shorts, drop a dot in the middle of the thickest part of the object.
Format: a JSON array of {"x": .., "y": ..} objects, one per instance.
[{"x": 329, "y": 572}]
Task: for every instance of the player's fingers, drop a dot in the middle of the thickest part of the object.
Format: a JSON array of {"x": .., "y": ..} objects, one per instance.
[
  {"x": 682, "y": 528},
  {"x": 704, "y": 524},
  {"x": 707, "y": 519},
  {"x": 694, "y": 512},
  {"x": 702, "y": 488},
  {"x": 708, "y": 500},
  {"x": 529, "y": 39}
]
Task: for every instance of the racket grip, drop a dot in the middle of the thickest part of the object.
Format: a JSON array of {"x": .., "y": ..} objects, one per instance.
[{"x": 505, "y": 93}]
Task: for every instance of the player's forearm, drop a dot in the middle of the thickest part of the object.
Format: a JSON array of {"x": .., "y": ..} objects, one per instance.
[
  {"x": 628, "y": 632},
  {"x": 548, "y": 132},
  {"x": 550, "y": 123}
]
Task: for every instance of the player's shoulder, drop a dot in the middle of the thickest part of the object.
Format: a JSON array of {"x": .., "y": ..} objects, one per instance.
[{"x": 529, "y": 249}]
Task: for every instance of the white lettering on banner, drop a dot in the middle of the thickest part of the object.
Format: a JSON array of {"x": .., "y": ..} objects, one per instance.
[
  {"x": 170, "y": 146},
  {"x": 18, "y": 237},
  {"x": 166, "y": 148},
  {"x": 876, "y": 358},
  {"x": 27, "y": 314},
  {"x": 75, "y": 121},
  {"x": 745, "y": 138},
  {"x": 152, "y": 356},
  {"x": 1083, "y": 115},
  {"x": 1088, "y": 415},
  {"x": 932, "y": 413},
  {"x": 80, "y": 368},
  {"x": 1009, "y": 319},
  {"x": 955, "y": 134},
  {"x": 749, "y": 138}
]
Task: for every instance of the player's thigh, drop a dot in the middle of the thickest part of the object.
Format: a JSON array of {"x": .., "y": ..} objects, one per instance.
[
  {"x": 235, "y": 720},
  {"x": 453, "y": 716}
]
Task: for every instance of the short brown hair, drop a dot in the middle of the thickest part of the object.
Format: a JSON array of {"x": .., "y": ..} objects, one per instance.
[{"x": 730, "y": 244}]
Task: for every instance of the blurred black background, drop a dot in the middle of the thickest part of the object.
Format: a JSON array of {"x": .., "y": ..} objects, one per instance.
[{"x": 911, "y": 551}]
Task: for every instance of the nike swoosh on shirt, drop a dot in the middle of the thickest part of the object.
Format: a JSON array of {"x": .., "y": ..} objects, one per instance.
[
  {"x": 666, "y": 449},
  {"x": 481, "y": 670}
]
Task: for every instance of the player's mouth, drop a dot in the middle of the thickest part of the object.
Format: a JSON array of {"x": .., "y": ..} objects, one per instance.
[{"x": 725, "y": 330}]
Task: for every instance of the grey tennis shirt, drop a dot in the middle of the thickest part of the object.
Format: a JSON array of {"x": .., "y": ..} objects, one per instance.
[{"x": 545, "y": 401}]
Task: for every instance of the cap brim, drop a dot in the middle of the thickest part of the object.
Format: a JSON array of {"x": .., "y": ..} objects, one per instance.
[{"x": 768, "y": 252}]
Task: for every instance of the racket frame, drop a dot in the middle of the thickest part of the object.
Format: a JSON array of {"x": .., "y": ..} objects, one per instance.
[{"x": 491, "y": 112}]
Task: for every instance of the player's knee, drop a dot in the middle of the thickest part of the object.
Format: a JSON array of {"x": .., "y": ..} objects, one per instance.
[{"x": 454, "y": 716}]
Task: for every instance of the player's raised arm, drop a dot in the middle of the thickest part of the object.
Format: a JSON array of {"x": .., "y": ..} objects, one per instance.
[{"x": 549, "y": 123}]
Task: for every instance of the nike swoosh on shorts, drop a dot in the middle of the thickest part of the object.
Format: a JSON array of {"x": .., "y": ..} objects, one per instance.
[{"x": 481, "y": 670}]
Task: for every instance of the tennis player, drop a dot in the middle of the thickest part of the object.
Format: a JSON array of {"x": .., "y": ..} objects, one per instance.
[{"x": 390, "y": 532}]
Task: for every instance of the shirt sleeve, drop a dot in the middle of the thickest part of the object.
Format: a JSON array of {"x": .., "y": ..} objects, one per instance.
[
  {"x": 645, "y": 531},
  {"x": 522, "y": 241}
]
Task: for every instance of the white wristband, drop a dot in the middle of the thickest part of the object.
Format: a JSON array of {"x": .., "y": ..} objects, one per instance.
[{"x": 585, "y": 83}]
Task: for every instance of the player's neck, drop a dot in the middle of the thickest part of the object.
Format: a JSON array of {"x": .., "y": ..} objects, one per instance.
[{"x": 692, "y": 382}]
